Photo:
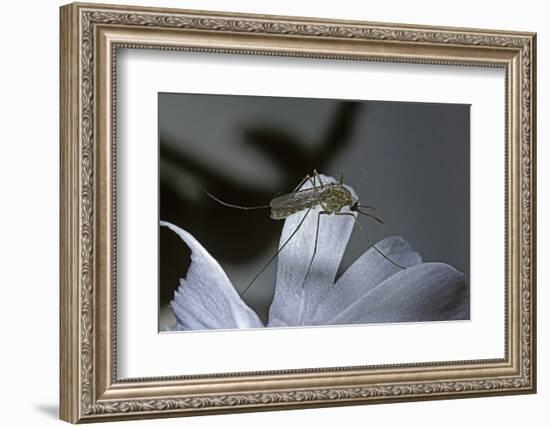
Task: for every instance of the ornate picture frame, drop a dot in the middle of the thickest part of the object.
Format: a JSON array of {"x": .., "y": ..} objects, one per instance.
[{"x": 91, "y": 35}]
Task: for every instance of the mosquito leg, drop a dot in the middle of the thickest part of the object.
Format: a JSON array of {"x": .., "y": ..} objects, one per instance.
[
  {"x": 369, "y": 240},
  {"x": 314, "y": 246},
  {"x": 301, "y": 183},
  {"x": 312, "y": 182},
  {"x": 230, "y": 205},
  {"x": 316, "y": 174},
  {"x": 344, "y": 213},
  {"x": 341, "y": 178},
  {"x": 277, "y": 253},
  {"x": 371, "y": 216}
]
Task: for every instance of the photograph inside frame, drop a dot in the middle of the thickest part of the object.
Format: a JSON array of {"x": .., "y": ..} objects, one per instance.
[{"x": 299, "y": 212}]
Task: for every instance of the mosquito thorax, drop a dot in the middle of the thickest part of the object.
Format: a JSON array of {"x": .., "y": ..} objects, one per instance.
[{"x": 336, "y": 196}]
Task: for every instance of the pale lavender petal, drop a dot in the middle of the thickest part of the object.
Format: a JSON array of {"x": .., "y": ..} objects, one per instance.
[
  {"x": 294, "y": 299},
  {"x": 424, "y": 292},
  {"x": 206, "y": 299},
  {"x": 367, "y": 272}
]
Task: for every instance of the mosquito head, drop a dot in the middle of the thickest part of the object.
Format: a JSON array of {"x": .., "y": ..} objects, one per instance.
[{"x": 354, "y": 206}]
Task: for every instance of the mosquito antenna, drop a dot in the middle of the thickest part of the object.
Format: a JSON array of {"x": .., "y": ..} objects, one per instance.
[
  {"x": 229, "y": 205},
  {"x": 366, "y": 207},
  {"x": 371, "y": 216},
  {"x": 276, "y": 253},
  {"x": 374, "y": 246}
]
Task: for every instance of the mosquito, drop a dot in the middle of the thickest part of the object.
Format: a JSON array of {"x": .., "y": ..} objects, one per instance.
[{"x": 332, "y": 197}]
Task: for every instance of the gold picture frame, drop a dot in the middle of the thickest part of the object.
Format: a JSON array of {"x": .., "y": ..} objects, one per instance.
[{"x": 90, "y": 36}]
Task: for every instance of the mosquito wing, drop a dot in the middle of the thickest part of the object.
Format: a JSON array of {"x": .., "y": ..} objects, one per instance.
[{"x": 287, "y": 204}]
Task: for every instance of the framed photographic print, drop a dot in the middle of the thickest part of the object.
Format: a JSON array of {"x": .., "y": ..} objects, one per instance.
[{"x": 265, "y": 212}]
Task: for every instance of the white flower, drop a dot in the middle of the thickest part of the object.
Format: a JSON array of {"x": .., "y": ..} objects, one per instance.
[{"x": 372, "y": 290}]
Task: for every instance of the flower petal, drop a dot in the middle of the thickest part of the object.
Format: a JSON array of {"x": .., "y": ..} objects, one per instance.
[
  {"x": 294, "y": 298},
  {"x": 424, "y": 292},
  {"x": 206, "y": 299},
  {"x": 367, "y": 272}
]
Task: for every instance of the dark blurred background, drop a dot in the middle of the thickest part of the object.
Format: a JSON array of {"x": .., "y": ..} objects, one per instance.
[{"x": 409, "y": 160}]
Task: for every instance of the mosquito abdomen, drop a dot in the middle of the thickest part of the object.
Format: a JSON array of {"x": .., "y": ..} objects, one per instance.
[{"x": 283, "y": 213}]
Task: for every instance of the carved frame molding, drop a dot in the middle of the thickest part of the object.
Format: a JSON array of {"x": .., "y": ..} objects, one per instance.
[{"x": 90, "y": 37}]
